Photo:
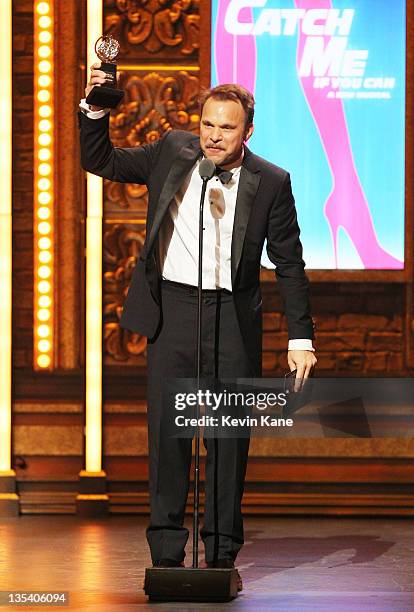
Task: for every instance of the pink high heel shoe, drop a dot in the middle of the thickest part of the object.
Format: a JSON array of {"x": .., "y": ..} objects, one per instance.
[{"x": 354, "y": 217}]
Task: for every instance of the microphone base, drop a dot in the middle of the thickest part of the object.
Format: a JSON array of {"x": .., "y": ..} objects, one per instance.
[{"x": 190, "y": 584}]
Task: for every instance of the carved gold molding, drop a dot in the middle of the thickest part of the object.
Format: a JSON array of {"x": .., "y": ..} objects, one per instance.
[
  {"x": 168, "y": 27},
  {"x": 121, "y": 247},
  {"x": 154, "y": 104}
]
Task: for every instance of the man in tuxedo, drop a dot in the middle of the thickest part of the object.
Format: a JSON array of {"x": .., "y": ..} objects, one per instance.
[{"x": 253, "y": 203}]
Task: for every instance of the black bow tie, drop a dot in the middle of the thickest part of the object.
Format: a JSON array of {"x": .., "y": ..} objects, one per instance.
[{"x": 225, "y": 176}]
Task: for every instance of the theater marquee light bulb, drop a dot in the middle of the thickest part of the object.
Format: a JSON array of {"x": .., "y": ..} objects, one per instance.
[
  {"x": 44, "y": 271},
  {"x": 43, "y": 184},
  {"x": 44, "y": 140},
  {"x": 45, "y": 111},
  {"x": 44, "y": 51},
  {"x": 43, "y": 361},
  {"x": 44, "y": 80},
  {"x": 44, "y": 66},
  {"x": 44, "y": 227},
  {"x": 44, "y": 198},
  {"x": 45, "y": 257},
  {"x": 42, "y": 8},
  {"x": 43, "y": 95},
  {"x": 44, "y": 154},
  {"x": 43, "y": 314},
  {"x": 43, "y": 346},
  {"x": 45, "y": 37},
  {"x": 43, "y": 331},
  {"x": 44, "y": 169},
  {"x": 44, "y": 287},
  {"x": 44, "y": 301},
  {"x": 44, "y": 243},
  {"x": 44, "y": 22}
]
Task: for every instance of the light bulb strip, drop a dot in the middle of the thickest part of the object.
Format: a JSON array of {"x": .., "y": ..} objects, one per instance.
[
  {"x": 43, "y": 185},
  {"x": 93, "y": 356},
  {"x": 5, "y": 234}
]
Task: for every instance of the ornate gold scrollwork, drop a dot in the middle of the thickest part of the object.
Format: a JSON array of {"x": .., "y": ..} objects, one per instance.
[
  {"x": 121, "y": 247},
  {"x": 152, "y": 106},
  {"x": 154, "y": 25}
]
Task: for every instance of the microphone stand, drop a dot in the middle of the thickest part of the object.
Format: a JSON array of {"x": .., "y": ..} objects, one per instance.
[
  {"x": 198, "y": 375},
  {"x": 185, "y": 583}
]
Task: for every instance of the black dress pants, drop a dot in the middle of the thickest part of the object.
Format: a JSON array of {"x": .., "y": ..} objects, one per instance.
[{"x": 173, "y": 355}]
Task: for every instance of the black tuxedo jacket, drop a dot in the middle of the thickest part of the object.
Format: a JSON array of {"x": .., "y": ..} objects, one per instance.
[{"x": 265, "y": 209}]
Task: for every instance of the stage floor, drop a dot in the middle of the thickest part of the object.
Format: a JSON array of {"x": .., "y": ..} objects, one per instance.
[{"x": 287, "y": 564}]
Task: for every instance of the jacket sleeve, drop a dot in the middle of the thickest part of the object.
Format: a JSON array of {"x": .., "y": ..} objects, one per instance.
[
  {"x": 285, "y": 252},
  {"x": 122, "y": 164}
]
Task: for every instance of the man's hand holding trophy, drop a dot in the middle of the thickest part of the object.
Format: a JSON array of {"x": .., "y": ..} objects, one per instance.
[{"x": 101, "y": 91}]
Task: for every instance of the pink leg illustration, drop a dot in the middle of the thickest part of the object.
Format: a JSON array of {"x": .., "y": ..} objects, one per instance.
[
  {"x": 346, "y": 205},
  {"x": 235, "y": 55}
]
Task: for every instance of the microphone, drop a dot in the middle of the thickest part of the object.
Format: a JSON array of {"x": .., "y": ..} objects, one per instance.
[{"x": 206, "y": 169}]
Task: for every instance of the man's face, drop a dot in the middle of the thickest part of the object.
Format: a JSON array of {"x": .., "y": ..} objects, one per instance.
[{"x": 223, "y": 131}]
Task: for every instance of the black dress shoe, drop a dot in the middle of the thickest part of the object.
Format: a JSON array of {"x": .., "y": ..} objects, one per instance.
[
  {"x": 168, "y": 563},
  {"x": 226, "y": 563}
]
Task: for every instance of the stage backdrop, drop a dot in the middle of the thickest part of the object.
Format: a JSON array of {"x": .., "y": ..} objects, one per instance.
[{"x": 329, "y": 81}]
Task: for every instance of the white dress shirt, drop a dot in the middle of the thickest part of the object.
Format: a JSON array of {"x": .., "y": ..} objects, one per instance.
[{"x": 178, "y": 238}]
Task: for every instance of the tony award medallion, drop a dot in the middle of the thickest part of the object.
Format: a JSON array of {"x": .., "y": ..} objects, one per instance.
[{"x": 107, "y": 96}]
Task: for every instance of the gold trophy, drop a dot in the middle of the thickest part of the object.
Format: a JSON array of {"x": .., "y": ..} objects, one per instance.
[{"x": 107, "y": 96}]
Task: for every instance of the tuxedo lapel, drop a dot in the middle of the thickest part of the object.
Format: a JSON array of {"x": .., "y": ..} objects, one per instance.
[
  {"x": 182, "y": 165},
  {"x": 246, "y": 193}
]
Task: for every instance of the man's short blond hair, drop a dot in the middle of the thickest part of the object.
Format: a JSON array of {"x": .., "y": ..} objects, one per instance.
[{"x": 231, "y": 91}]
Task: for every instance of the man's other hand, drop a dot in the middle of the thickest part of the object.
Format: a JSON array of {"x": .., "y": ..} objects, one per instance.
[
  {"x": 303, "y": 362},
  {"x": 98, "y": 77}
]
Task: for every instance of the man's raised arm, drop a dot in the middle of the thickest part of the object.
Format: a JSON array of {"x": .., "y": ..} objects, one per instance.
[{"x": 99, "y": 156}]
